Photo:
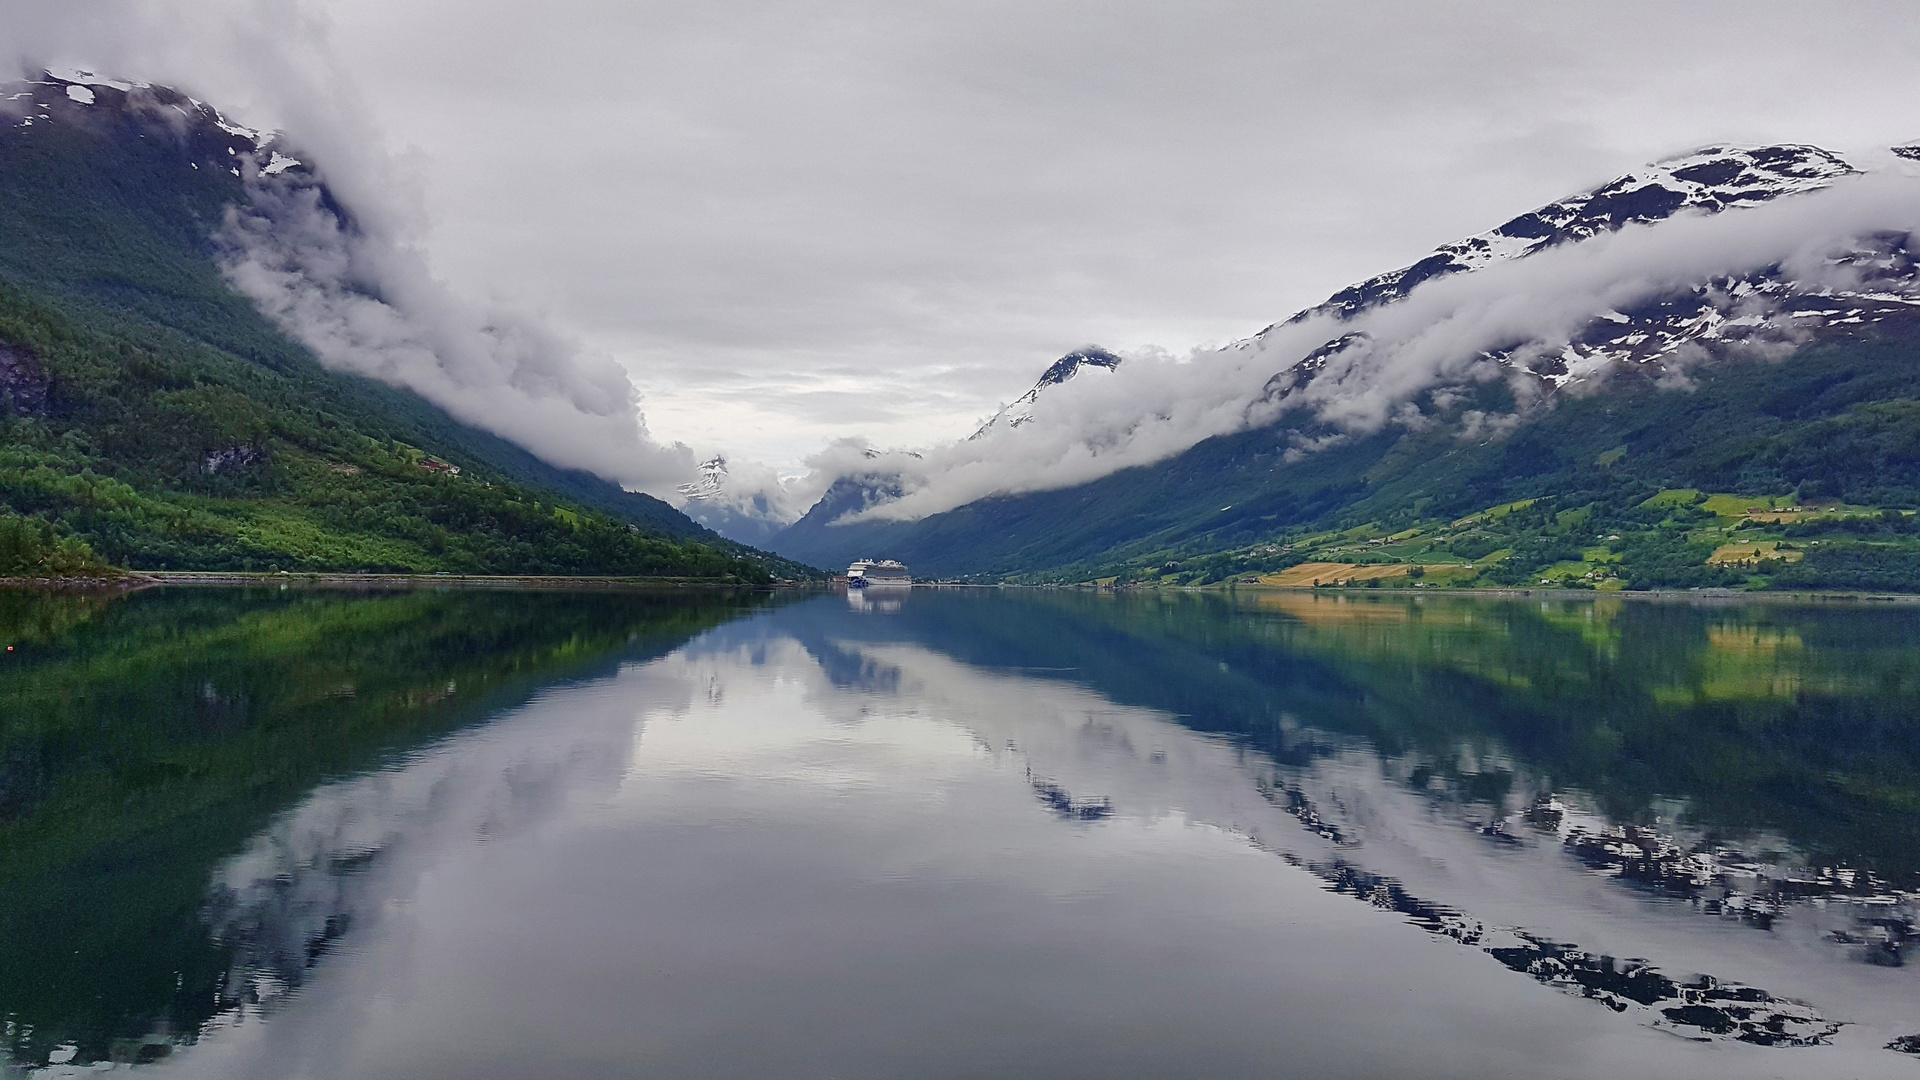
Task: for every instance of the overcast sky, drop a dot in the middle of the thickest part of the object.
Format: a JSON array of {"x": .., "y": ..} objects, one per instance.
[{"x": 794, "y": 222}]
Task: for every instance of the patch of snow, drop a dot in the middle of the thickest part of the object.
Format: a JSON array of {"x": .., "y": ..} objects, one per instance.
[
  {"x": 88, "y": 78},
  {"x": 80, "y": 94},
  {"x": 259, "y": 139}
]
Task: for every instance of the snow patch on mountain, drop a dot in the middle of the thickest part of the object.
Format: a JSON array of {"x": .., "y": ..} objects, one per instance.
[
  {"x": 49, "y": 97},
  {"x": 712, "y": 482}
]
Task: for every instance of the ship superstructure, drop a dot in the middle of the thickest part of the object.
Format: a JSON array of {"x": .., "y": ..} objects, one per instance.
[{"x": 868, "y": 572}]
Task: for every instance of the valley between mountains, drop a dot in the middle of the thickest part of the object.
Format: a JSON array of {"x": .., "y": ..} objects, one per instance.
[{"x": 1700, "y": 374}]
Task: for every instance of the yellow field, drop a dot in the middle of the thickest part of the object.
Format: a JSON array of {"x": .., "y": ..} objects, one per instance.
[
  {"x": 1755, "y": 552},
  {"x": 1334, "y": 607},
  {"x": 1306, "y": 575}
]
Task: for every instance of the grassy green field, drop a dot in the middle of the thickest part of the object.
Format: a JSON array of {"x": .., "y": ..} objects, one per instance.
[{"x": 1674, "y": 537}]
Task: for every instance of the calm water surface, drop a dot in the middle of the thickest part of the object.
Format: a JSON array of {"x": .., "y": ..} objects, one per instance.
[{"x": 956, "y": 833}]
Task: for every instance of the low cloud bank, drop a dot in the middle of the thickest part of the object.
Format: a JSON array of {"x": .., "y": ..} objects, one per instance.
[
  {"x": 369, "y": 306},
  {"x": 1156, "y": 406}
]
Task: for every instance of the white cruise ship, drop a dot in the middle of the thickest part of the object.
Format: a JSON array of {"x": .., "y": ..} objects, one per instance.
[{"x": 865, "y": 572}]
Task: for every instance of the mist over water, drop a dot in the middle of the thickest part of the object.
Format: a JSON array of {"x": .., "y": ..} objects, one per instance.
[{"x": 954, "y": 832}]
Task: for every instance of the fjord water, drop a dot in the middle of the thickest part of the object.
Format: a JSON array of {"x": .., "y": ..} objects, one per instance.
[{"x": 956, "y": 833}]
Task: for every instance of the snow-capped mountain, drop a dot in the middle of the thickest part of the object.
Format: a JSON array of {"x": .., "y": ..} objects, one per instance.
[
  {"x": 1020, "y": 412},
  {"x": 712, "y": 482},
  {"x": 1769, "y": 306},
  {"x": 1708, "y": 180},
  {"x": 742, "y": 501},
  {"x": 1655, "y": 277}
]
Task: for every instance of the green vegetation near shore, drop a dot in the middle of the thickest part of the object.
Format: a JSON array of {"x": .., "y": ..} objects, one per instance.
[
  {"x": 150, "y": 450},
  {"x": 1800, "y": 474},
  {"x": 1675, "y": 538}
]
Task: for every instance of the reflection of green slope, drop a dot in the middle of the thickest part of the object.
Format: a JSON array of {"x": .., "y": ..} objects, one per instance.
[
  {"x": 1805, "y": 721},
  {"x": 143, "y": 744}
]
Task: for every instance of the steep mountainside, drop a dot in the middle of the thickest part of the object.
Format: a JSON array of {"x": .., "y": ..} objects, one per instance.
[
  {"x": 149, "y": 411},
  {"x": 1793, "y": 390}
]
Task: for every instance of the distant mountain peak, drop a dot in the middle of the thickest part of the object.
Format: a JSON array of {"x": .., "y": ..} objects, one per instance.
[
  {"x": 712, "y": 482},
  {"x": 1067, "y": 366},
  {"x": 1021, "y": 411}
]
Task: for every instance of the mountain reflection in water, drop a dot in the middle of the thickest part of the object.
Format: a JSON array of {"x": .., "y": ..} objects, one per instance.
[{"x": 992, "y": 832}]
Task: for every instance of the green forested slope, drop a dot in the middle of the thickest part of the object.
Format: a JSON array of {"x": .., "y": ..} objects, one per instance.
[
  {"x": 147, "y": 410},
  {"x": 1832, "y": 432}
]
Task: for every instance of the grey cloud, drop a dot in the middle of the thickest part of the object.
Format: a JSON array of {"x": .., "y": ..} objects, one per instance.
[{"x": 370, "y": 307}]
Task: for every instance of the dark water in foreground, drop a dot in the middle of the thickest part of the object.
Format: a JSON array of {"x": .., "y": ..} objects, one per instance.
[{"x": 961, "y": 834}]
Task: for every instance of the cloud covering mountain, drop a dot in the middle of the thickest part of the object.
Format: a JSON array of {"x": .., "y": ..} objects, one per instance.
[
  {"x": 328, "y": 244},
  {"x": 1812, "y": 228},
  {"x": 789, "y": 223},
  {"x": 367, "y": 304}
]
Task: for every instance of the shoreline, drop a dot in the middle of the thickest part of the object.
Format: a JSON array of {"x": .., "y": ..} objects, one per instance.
[
  {"x": 1516, "y": 593},
  {"x": 141, "y": 580},
  {"x": 1722, "y": 595}
]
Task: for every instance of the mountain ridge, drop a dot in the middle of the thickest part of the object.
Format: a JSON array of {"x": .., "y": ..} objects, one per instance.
[{"x": 1671, "y": 340}]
